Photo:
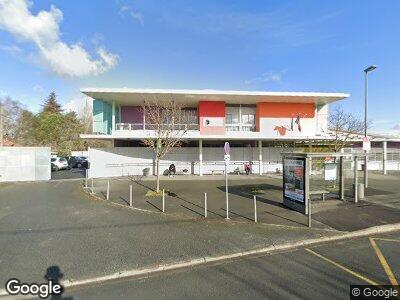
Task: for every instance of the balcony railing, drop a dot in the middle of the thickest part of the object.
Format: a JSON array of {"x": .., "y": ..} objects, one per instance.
[
  {"x": 238, "y": 127},
  {"x": 141, "y": 126}
]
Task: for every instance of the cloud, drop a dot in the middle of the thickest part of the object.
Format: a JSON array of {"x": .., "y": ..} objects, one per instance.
[
  {"x": 266, "y": 77},
  {"x": 38, "y": 88},
  {"x": 42, "y": 29},
  {"x": 396, "y": 127},
  {"x": 79, "y": 105},
  {"x": 11, "y": 49},
  {"x": 126, "y": 9}
]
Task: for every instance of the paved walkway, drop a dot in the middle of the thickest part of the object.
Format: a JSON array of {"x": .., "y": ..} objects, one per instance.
[
  {"x": 55, "y": 223},
  {"x": 185, "y": 199}
]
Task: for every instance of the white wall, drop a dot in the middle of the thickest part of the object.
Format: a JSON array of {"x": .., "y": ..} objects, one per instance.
[
  {"x": 308, "y": 127},
  {"x": 79, "y": 153},
  {"x": 124, "y": 161},
  {"x": 24, "y": 163}
]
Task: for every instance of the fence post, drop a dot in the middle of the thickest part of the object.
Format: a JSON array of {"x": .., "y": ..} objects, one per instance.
[
  {"x": 130, "y": 195},
  {"x": 108, "y": 189},
  {"x": 163, "y": 201},
  {"x": 355, "y": 180},
  {"x": 255, "y": 208},
  {"x": 205, "y": 205},
  {"x": 309, "y": 211},
  {"x": 92, "y": 187}
]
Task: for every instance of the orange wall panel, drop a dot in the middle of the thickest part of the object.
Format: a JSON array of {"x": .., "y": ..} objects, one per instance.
[{"x": 284, "y": 110}]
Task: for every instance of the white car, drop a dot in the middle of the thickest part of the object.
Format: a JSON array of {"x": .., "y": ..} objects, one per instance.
[{"x": 60, "y": 163}]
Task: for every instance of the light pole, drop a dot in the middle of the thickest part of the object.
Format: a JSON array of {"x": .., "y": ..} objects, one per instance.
[{"x": 369, "y": 69}]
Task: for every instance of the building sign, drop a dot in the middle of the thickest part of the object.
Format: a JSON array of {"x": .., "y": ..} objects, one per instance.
[
  {"x": 366, "y": 143},
  {"x": 293, "y": 179},
  {"x": 213, "y": 121}
]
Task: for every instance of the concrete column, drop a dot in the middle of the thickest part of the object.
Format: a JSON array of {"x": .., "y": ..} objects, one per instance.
[
  {"x": 201, "y": 157},
  {"x": 384, "y": 157},
  {"x": 260, "y": 158},
  {"x": 113, "y": 118}
]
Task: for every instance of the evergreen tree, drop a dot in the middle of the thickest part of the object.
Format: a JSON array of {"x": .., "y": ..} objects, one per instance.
[{"x": 51, "y": 105}]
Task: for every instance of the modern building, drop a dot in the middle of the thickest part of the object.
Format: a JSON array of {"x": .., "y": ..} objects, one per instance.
[{"x": 253, "y": 122}]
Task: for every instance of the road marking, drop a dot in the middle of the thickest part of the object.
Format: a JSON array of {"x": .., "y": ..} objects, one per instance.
[
  {"x": 388, "y": 240},
  {"x": 383, "y": 262},
  {"x": 343, "y": 267}
]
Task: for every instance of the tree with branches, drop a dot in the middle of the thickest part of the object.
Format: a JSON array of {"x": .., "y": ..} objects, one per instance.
[
  {"x": 165, "y": 118},
  {"x": 51, "y": 104},
  {"x": 343, "y": 126}
]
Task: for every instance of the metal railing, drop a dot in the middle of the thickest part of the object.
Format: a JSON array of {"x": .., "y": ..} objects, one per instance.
[
  {"x": 141, "y": 126},
  {"x": 238, "y": 127}
]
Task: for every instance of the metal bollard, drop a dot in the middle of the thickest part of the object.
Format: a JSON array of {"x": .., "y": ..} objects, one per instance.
[
  {"x": 255, "y": 208},
  {"x": 163, "y": 201},
  {"x": 86, "y": 178},
  {"x": 309, "y": 211},
  {"x": 108, "y": 189},
  {"x": 92, "y": 187},
  {"x": 205, "y": 205},
  {"x": 130, "y": 196}
]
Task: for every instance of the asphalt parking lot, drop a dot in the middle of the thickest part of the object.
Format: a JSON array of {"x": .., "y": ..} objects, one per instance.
[
  {"x": 74, "y": 173},
  {"x": 321, "y": 272}
]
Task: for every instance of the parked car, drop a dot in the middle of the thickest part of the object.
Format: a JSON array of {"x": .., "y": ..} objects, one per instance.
[
  {"x": 60, "y": 163},
  {"x": 78, "y": 162}
]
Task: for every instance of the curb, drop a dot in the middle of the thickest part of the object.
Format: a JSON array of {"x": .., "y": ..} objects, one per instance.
[
  {"x": 212, "y": 259},
  {"x": 70, "y": 283}
]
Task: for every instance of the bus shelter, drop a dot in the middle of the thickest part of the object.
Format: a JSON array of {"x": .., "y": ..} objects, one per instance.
[{"x": 320, "y": 176}]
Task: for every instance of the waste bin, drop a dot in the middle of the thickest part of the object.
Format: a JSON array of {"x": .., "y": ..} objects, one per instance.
[{"x": 146, "y": 171}]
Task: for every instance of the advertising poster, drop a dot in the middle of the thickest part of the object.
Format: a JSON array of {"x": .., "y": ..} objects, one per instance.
[
  {"x": 293, "y": 179},
  {"x": 330, "y": 172}
]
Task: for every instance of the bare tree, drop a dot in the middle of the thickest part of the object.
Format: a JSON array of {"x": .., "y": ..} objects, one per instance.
[
  {"x": 11, "y": 112},
  {"x": 343, "y": 126},
  {"x": 165, "y": 118}
]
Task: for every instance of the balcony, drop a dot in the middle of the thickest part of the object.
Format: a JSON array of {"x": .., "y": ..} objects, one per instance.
[
  {"x": 141, "y": 126},
  {"x": 240, "y": 127}
]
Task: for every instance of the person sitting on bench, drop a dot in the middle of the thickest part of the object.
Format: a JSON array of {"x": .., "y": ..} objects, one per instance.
[{"x": 171, "y": 170}]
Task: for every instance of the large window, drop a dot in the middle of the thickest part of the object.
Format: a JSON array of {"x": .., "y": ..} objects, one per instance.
[{"x": 240, "y": 118}]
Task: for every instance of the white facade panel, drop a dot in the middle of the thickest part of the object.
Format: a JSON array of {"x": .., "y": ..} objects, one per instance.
[
  {"x": 24, "y": 163},
  {"x": 126, "y": 161},
  {"x": 282, "y": 127}
]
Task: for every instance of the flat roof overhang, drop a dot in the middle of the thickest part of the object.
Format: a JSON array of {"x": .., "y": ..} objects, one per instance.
[{"x": 127, "y": 96}]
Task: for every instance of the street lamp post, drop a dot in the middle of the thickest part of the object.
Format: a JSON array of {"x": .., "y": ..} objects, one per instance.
[{"x": 369, "y": 69}]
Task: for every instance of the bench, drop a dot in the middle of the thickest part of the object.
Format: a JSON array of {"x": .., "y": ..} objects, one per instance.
[
  {"x": 320, "y": 192},
  {"x": 239, "y": 171},
  {"x": 222, "y": 172}
]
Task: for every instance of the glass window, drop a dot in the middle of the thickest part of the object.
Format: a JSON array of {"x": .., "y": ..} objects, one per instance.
[
  {"x": 233, "y": 111},
  {"x": 228, "y": 119},
  {"x": 251, "y": 119},
  {"x": 248, "y": 119}
]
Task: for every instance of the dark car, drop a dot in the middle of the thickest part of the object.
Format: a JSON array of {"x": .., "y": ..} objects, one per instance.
[{"x": 78, "y": 162}]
